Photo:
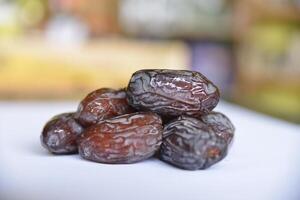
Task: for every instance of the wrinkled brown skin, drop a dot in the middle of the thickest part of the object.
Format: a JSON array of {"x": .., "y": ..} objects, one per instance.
[
  {"x": 102, "y": 104},
  {"x": 60, "y": 134},
  {"x": 221, "y": 125},
  {"x": 191, "y": 144},
  {"x": 172, "y": 92},
  {"x": 124, "y": 139}
]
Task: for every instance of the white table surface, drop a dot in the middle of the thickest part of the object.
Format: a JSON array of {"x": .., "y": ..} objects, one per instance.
[{"x": 263, "y": 164}]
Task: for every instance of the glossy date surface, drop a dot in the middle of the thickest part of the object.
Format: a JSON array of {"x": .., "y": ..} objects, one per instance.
[
  {"x": 102, "y": 104},
  {"x": 220, "y": 124},
  {"x": 60, "y": 133},
  {"x": 172, "y": 92},
  {"x": 190, "y": 144},
  {"x": 124, "y": 139}
]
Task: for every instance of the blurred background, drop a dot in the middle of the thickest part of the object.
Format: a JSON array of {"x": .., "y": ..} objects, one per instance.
[{"x": 63, "y": 49}]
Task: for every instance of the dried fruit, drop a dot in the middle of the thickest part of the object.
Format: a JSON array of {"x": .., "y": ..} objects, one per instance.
[
  {"x": 220, "y": 124},
  {"x": 190, "y": 144},
  {"x": 126, "y": 126},
  {"x": 172, "y": 92},
  {"x": 60, "y": 133},
  {"x": 127, "y": 138},
  {"x": 102, "y": 104}
]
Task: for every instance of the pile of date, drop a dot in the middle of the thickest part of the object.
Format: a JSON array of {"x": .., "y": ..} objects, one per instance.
[{"x": 162, "y": 113}]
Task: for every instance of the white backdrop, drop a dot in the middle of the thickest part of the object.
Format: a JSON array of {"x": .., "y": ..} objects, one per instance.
[{"x": 263, "y": 164}]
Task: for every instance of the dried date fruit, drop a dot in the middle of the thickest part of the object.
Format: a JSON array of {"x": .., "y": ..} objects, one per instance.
[
  {"x": 60, "y": 133},
  {"x": 221, "y": 125},
  {"x": 172, "y": 92},
  {"x": 102, "y": 104},
  {"x": 127, "y": 138},
  {"x": 190, "y": 144}
]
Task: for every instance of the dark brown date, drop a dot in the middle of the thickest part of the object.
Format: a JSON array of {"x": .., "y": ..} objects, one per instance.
[
  {"x": 190, "y": 144},
  {"x": 60, "y": 133},
  {"x": 172, "y": 92},
  {"x": 221, "y": 125},
  {"x": 102, "y": 104},
  {"x": 127, "y": 138}
]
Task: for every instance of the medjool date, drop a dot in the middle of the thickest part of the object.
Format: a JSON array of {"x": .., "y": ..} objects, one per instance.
[
  {"x": 190, "y": 144},
  {"x": 102, "y": 104},
  {"x": 126, "y": 125},
  {"x": 220, "y": 124},
  {"x": 172, "y": 92},
  {"x": 60, "y": 133},
  {"x": 127, "y": 138}
]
